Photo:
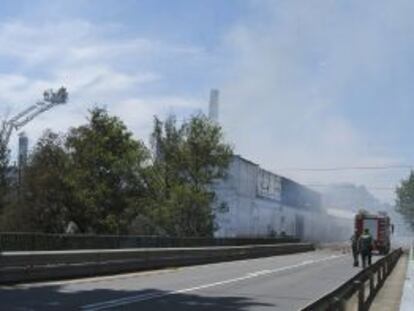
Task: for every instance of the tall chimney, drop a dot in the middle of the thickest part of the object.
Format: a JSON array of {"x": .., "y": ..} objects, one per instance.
[
  {"x": 213, "y": 109},
  {"x": 23, "y": 149}
]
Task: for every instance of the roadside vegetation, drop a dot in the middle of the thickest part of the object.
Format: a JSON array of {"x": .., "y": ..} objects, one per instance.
[
  {"x": 97, "y": 178},
  {"x": 405, "y": 199}
]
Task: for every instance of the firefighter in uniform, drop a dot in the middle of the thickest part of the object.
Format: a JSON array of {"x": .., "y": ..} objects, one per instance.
[
  {"x": 365, "y": 247},
  {"x": 355, "y": 247}
]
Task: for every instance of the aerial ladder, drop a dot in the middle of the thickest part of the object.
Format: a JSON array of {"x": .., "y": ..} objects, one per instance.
[{"x": 50, "y": 100}]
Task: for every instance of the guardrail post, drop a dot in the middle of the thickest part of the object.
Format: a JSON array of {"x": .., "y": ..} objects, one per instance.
[
  {"x": 380, "y": 277},
  {"x": 371, "y": 284},
  {"x": 337, "y": 304},
  {"x": 378, "y": 272},
  {"x": 381, "y": 272},
  {"x": 361, "y": 294}
]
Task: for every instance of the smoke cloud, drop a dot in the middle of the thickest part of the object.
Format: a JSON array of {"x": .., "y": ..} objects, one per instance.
[{"x": 315, "y": 83}]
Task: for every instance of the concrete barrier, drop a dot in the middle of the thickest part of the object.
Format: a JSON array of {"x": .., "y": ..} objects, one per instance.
[{"x": 18, "y": 267}]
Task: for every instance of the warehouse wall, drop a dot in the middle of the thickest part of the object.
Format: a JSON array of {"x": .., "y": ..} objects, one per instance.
[{"x": 250, "y": 202}]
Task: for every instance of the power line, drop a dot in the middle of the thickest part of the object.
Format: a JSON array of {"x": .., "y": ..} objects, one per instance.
[
  {"x": 347, "y": 168},
  {"x": 370, "y": 188}
]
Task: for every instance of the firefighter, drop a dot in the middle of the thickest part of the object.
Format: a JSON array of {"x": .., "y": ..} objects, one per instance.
[
  {"x": 355, "y": 247},
  {"x": 365, "y": 247}
]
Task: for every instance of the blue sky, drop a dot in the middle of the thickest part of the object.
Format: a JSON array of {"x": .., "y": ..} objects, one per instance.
[{"x": 303, "y": 83}]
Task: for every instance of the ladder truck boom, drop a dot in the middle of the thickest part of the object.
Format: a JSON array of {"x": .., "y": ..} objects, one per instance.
[{"x": 50, "y": 99}]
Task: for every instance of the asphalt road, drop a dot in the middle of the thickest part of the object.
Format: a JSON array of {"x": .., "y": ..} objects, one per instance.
[{"x": 285, "y": 283}]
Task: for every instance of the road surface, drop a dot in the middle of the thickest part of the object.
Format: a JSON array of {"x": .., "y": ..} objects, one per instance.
[{"x": 286, "y": 282}]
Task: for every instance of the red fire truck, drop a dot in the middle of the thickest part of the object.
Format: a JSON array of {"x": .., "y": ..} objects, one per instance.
[{"x": 380, "y": 228}]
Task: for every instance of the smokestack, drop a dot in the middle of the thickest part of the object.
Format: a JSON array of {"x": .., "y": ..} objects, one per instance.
[
  {"x": 213, "y": 109},
  {"x": 23, "y": 149}
]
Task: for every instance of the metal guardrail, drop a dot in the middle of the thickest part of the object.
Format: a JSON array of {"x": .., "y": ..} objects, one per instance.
[
  {"x": 365, "y": 285},
  {"x": 10, "y": 241}
]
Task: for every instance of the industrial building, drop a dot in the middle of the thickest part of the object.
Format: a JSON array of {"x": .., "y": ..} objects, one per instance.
[{"x": 253, "y": 202}]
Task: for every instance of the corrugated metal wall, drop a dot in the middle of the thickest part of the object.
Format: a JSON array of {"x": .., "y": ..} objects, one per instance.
[{"x": 252, "y": 202}]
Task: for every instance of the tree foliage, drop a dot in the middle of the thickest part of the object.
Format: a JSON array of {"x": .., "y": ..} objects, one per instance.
[
  {"x": 188, "y": 158},
  {"x": 405, "y": 199},
  {"x": 39, "y": 203},
  {"x": 105, "y": 175},
  {"x": 44, "y": 188},
  {"x": 4, "y": 164},
  {"x": 100, "y": 178}
]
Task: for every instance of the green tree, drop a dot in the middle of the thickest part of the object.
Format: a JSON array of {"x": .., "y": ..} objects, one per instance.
[
  {"x": 405, "y": 199},
  {"x": 187, "y": 159},
  {"x": 106, "y": 165},
  {"x": 105, "y": 181},
  {"x": 44, "y": 188},
  {"x": 4, "y": 165},
  {"x": 4, "y": 183},
  {"x": 40, "y": 204}
]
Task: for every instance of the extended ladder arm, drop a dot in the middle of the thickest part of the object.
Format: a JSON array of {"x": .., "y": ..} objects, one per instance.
[
  {"x": 50, "y": 99},
  {"x": 18, "y": 124}
]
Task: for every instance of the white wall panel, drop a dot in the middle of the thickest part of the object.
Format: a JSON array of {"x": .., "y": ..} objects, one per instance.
[{"x": 253, "y": 209}]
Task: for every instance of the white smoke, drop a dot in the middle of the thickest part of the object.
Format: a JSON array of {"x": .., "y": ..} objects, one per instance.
[{"x": 296, "y": 67}]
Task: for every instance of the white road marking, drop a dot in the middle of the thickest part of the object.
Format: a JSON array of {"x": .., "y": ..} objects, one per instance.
[{"x": 143, "y": 297}]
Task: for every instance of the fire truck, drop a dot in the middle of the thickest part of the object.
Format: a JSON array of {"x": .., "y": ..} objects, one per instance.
[{"x": 380, "y": 228}]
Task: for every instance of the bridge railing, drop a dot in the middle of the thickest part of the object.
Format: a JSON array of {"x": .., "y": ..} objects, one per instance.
[
  {"x": 10, "y": 241},
  {"x": 365, "y": 285}
]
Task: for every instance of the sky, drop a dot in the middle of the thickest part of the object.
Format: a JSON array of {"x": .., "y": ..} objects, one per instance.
[{"x": 303, "y": 84}]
